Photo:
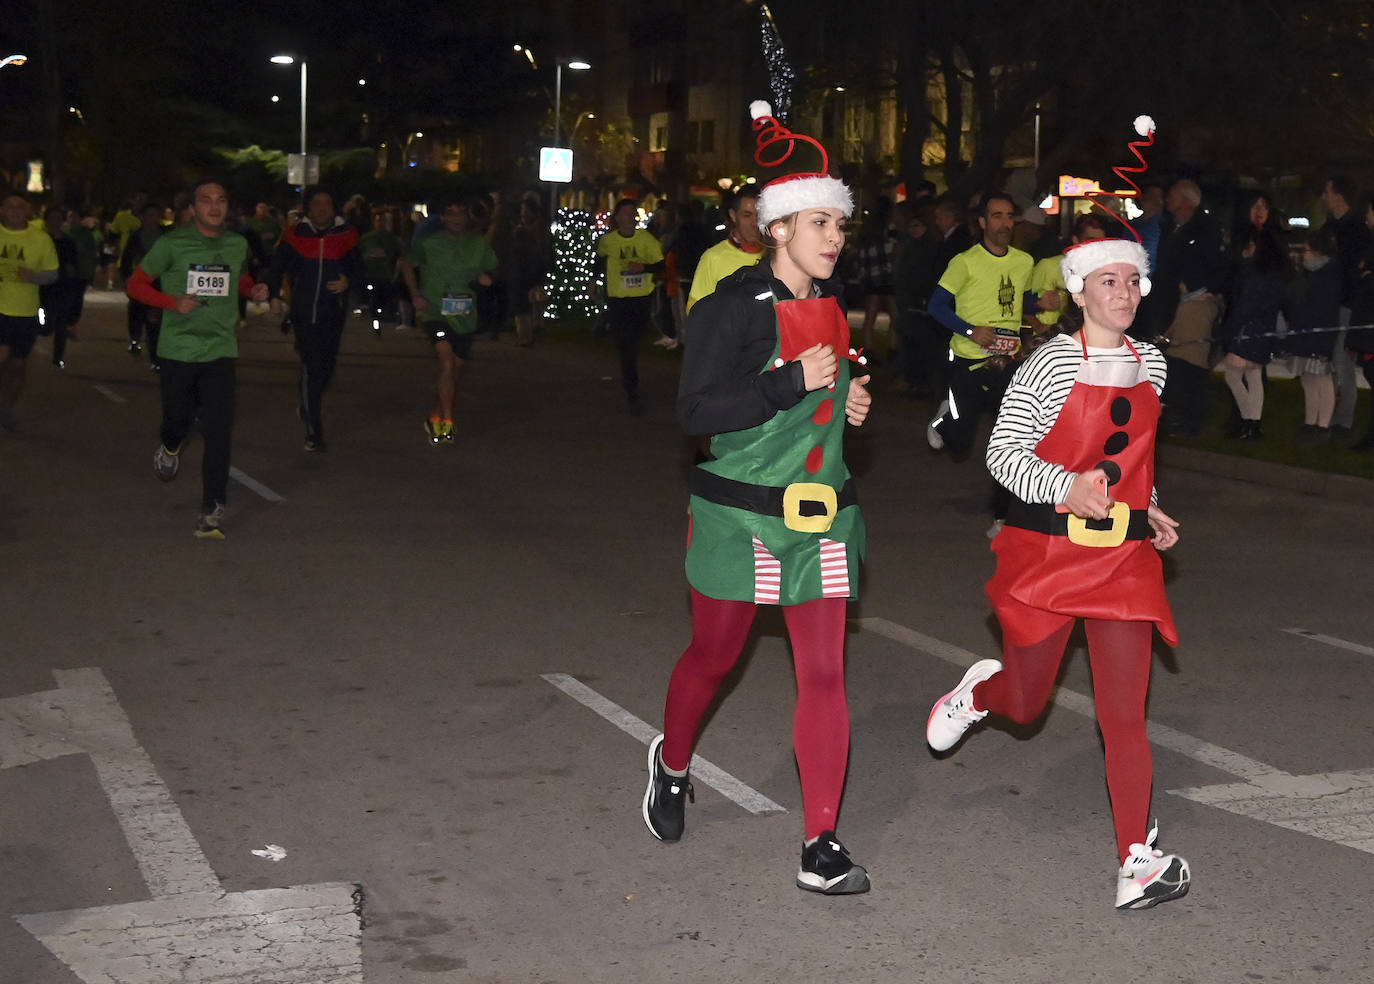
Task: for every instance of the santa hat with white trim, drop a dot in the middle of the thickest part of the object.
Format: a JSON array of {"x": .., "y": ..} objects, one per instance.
[
  {"x": 1093, "y": 254},
  {"x": 793, "y": 192}
]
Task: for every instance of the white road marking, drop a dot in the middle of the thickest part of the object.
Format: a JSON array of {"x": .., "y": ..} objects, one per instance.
[
  {"x": 305, "y": 934},
  {"x": 1354, "y": 647},
  {"x": 249, "y": 482},
  {"x": 718, "y": 779},
  {"x": 108, "y": 393},
  {"x": 1335, "y": 806},
  {"x": 1205, "y": 752}
]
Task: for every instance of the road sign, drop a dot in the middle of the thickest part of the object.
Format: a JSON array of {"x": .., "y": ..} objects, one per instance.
[
  {"x": 555, "y": 164},
  {"x": 302, "y": 169}
]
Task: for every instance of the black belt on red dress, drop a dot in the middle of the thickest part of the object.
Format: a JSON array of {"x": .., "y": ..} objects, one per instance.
[
  {"x": 1042, "y": 517},
  {"x": 766, "y": 500}
]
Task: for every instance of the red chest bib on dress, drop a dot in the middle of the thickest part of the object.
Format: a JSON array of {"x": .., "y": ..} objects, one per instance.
[{"x": 1093, "y": 570}]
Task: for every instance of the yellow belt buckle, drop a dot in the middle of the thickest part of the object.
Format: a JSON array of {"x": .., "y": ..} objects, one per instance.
[
  {"x": 1079, "y": 533},
  {"x": 798, "y": 492}
]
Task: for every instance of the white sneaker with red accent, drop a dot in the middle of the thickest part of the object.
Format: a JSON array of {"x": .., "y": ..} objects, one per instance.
[
  {"x": 1149, "y": 876},
  {"x": 954, "y": 713}
]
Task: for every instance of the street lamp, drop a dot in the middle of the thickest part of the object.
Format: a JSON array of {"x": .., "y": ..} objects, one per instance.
[
  {"x": 577, "y": 65},
  {"x": 291, "y": 60},
  {"x": 13, "y": 60}
]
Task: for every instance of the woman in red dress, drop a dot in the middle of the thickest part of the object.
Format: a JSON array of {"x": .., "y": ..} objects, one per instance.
[{"x": 1074, "y": 442}]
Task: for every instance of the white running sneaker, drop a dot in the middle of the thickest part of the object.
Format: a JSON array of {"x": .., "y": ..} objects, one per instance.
[
  {"x": 1149, "y": 876},
  {"x": 933, "y": 437},
  {"x": 954, "y": 713}
]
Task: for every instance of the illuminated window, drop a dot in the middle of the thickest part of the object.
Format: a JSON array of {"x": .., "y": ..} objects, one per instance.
[
  {"x": 701, "y": 136},
  {"x": 658, "y": 132}
]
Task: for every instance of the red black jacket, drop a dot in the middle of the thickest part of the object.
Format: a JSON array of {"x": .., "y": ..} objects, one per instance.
[{"x": 312, "y": 258}]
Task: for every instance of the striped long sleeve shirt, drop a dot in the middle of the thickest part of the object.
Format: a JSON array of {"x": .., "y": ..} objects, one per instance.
[{"x": 1032, "y": 403}]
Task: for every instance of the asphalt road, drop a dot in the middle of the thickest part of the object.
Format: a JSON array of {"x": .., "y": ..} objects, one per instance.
[{"x": 359, "y": 674}]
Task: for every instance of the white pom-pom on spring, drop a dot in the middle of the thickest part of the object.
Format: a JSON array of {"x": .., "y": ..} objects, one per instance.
[
  {"x": 1144, "y": 125},
  {"x": 758, "y": 108}
]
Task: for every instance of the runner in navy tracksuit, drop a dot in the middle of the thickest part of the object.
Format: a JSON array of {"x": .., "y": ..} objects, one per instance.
[{"x": 320, "y": 256}]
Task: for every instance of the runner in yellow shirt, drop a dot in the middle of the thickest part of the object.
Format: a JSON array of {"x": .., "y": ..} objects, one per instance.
[
  {"x": 631, "y": 256},
  {"x": 28, "y": 260},
  {"x": 741, "y": 247}
]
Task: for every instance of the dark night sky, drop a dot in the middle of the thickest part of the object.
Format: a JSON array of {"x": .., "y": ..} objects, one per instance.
[{"x": 191, "y": 53}]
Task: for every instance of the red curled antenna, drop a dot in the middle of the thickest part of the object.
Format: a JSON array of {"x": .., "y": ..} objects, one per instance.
[
  {"x": 1145, "y": 126},
  {"x": 771, "y": 132}
]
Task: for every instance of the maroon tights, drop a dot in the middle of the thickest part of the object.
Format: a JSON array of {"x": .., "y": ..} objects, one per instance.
[
  {"x": 1120, "y": 656},
  {"x": 820, "y": 724}
]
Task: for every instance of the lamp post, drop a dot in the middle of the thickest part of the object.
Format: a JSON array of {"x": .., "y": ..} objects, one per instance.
[
  {"x": 290, "y": 60},
  {"x": 577, "y": 65}
]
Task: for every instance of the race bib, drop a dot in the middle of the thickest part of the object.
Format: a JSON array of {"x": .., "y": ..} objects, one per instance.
[
  {"x": 208, "y": 280},
  {"x": 632, "y": 281},
  {"x": 456, "y": 305},
  {"x": 1005, "y": 344}
]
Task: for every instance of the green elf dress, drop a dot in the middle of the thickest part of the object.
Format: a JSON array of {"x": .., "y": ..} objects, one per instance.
[{"x": 774, "y": 517}]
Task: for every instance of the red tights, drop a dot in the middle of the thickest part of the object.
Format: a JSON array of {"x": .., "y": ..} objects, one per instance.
[
  {"x": 1120, "y": 656},
  {"x": 820, "y": 724}
]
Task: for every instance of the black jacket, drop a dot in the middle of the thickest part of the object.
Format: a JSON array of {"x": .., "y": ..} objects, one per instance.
[
  {"x": 313, "y": 257},
  {"x": 1314, "y": 313},
  {"x": 730, "y": 337}
]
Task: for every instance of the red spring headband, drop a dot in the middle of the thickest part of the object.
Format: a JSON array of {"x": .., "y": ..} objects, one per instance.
[
  {"x": 1144, "y": 126},
  {"x": 771, "y": 132}
]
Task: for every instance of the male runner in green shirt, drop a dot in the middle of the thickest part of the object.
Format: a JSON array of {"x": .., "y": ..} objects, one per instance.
[
  {"x": 442, "y": 273},
  {"x": 201, "y": 268}
]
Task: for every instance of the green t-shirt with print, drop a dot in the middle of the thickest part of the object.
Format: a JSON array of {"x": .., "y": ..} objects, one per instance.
[
  {"x": 449, "y": 266},
  {"x": 190, "y": 262}
]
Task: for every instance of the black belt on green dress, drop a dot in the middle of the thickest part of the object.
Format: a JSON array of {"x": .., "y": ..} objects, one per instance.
[
  {"x": 766, "y": 500},
  {"x": 1041, "y": 517}
]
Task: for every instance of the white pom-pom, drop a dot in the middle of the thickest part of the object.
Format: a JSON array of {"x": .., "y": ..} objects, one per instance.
[
  {"x": 853, "y": 352},
  {"x": 778, "y": 364},
  {"x": 1144, "y": 125},
  {"x": 759, "y": 108},
  {"x": 863, "y": 360}
]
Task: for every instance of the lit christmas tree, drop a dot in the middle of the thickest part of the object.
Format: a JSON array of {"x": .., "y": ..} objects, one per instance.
[
  {"x": 781, "y": 78},
  {"x": 576, "y": 273}
]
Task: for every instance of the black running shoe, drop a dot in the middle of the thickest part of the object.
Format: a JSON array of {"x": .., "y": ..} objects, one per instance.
[
  {"x": 665, "y": 807},
  {"x": 826, "y": 868}
]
